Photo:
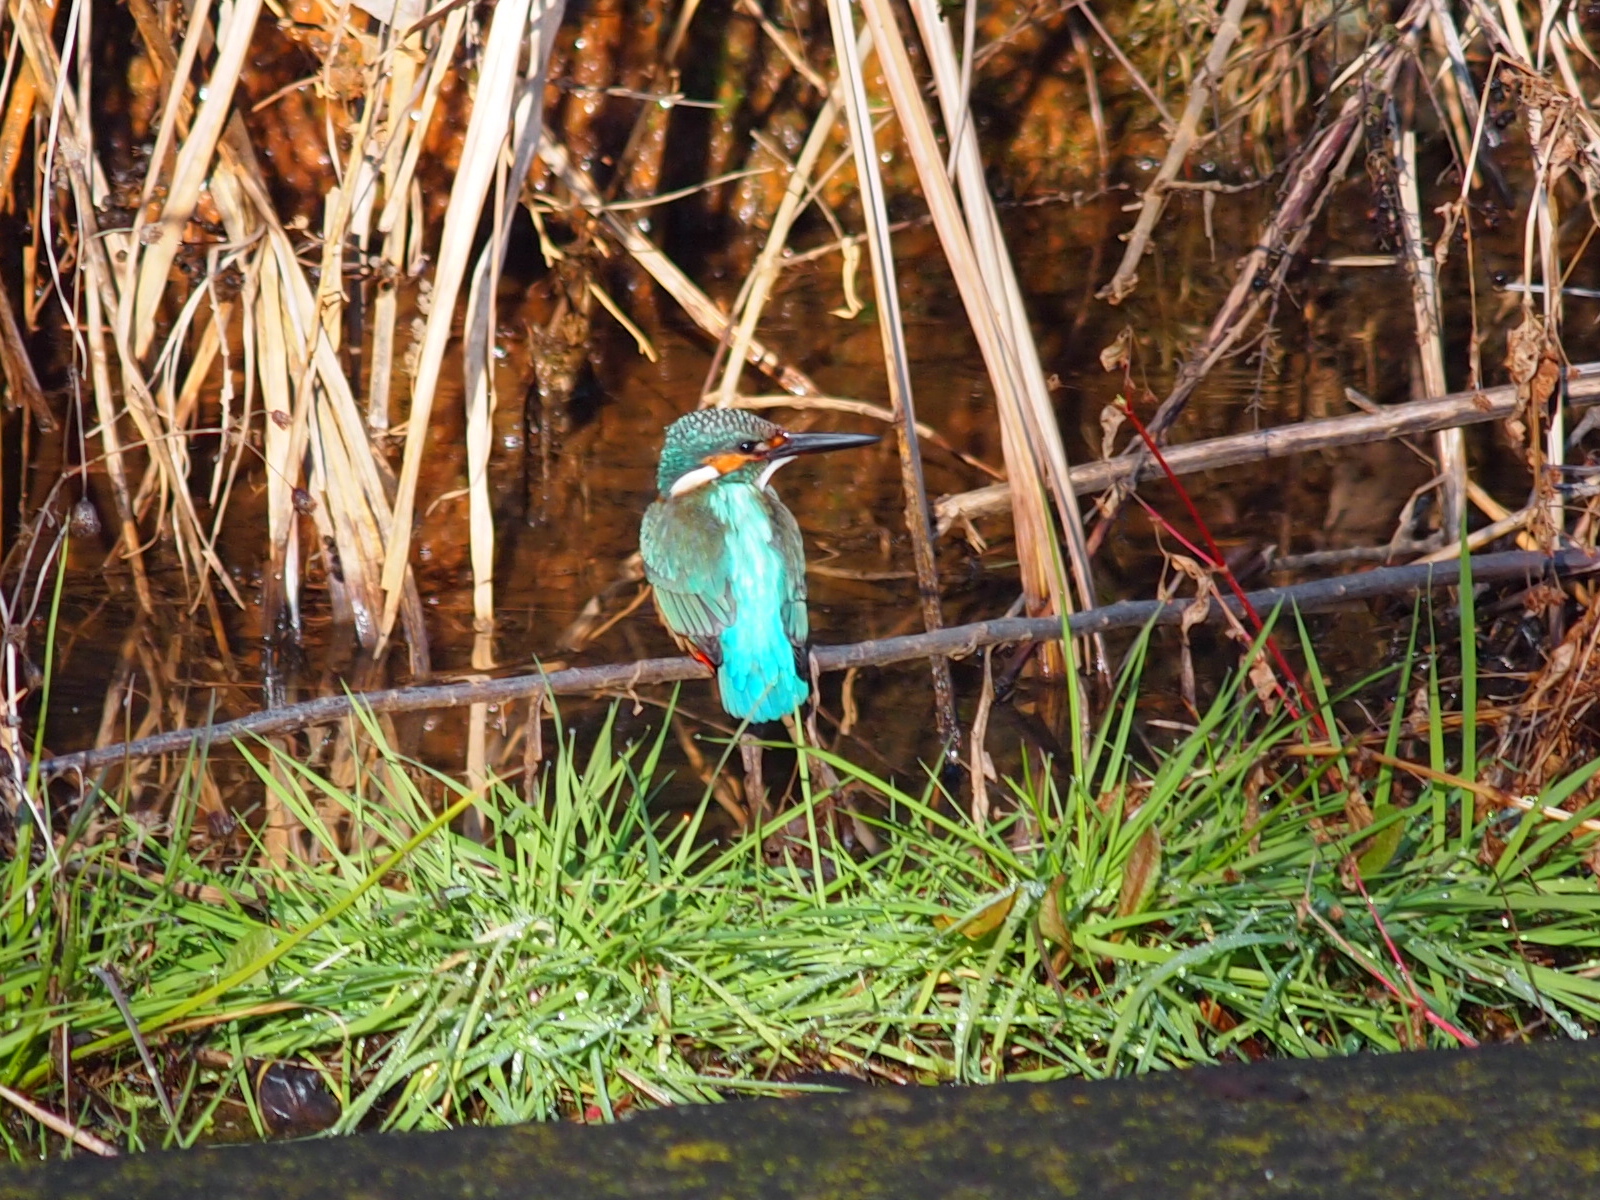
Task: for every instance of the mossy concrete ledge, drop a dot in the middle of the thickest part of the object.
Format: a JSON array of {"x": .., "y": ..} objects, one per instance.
[{"x": 1499, "y": 1122}]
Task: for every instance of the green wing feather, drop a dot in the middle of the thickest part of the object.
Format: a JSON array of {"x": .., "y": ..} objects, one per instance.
[
  {"x": 786, "y": 532},
  {"x": 688, "y": 571}
]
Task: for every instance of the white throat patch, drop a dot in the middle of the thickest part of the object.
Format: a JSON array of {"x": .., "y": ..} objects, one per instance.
[
  {"x": 771, "y": 469},
  {"x": 697, "y": 478}
]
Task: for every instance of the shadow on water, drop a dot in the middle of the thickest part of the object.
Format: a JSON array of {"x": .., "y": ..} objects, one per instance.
[
  {"x": 568, "y": 496},
  {"x": 577, "y": 429}
]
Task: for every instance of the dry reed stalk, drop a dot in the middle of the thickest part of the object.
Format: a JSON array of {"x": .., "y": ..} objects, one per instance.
[
  {"x": 1398, "y": 420},
  {"x": 175, "y": 406},
  {"x": 1449, "y": 445},
  {"x": 1453, "y": 80},
  {"x": 527, "y": 126},
  {"x": 116, "y": 470},
  {"x": 769, "y": 263},
  {"x": 193, "y": 165},
  {"x": 264, "y": 295},
  {"x": 395, "y": 130},
  {"x": 980, "y": 765},
  {"x": 21, "y": 97},
  {"x": 402, "y": 155},
  {"x": 852, "y": 84},
  {"x": 480, "y": 152},
  {"x": 99, "y": 367},
  {"x": 1126, "y": 277},
  {"x": 480, "y": 408},
  {"x": 385, "y": 322},
  {"x": 349, "y": 504},
  {"x": 176, "y": 119},
  {"x": 291, "y": 337},
  {"x": 1036, "y": 459},
  {"x": 214, "y": 344},
  {"x": 72, "y": 148},
  {"x": 18, "y": 368}
]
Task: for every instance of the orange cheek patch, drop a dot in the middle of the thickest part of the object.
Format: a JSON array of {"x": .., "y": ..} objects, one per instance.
[{"x": 724, "y": 463}]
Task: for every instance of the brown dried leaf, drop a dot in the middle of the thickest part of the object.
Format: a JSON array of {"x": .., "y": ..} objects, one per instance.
[
  {"x": 1204, "y": 589},
  {"x": 1263, "y": 681},
  {"x": 986, "y": 920},
  {"x": 1357, "y": 811},
  {"x": 1111, "y": 418},
  {"x": 1117, "y": 355},
  {"x": 1052, "y": 921},
  {"x": 1141, "y": 874},
  {"x": 1525, "y": 349}
]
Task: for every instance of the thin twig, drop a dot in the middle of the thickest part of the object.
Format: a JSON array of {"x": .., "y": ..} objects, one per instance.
[
  {"x": 1123, "y": 61},
  {"x": 486, "y": 133},
  {"x": 700, "y": 307},
  {"x": 1387, "y": 424},
  {"x": 955, "y": 641},
  {"x": 1183, "y": 138},
  {"x": 79, "y": 1137},
  {"x": 120, "y": 999}
]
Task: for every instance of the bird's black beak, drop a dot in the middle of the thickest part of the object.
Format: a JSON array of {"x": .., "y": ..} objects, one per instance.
[{"x": 795, "y": 444}]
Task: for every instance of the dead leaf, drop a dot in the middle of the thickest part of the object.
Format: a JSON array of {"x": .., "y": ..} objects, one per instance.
[
  {"x": 1052, "y": 921},
  {"x": 1118, "y": 355},
  {"x": 986, "y": 920},
  {"x": 1263, "y": 681},
  {"x": 1111, "y": 418},
  {"x": 847, "y": 279},
  {"x": 1357, "y": 811},
  {"x": 1141, "y": 874}
]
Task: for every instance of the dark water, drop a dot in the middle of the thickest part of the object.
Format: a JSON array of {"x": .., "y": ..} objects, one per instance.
[{"x": 564, "y": 542}]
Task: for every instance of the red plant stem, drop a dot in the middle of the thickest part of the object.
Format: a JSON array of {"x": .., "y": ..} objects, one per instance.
[
  {"x": 1433, "y": 1018},
  {"x": 1213, "y": 557},
  {"x": 1215, "y": 560},
  {"x": 1466, "y": 1039},
  {"x": 1172, "y": 530}
]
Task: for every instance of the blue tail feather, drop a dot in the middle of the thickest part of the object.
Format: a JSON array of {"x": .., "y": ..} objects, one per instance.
[{"x": 757, "y": 678}]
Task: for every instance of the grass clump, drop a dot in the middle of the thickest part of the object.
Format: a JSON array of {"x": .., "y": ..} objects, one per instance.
[{"x": 594, "y": 956}]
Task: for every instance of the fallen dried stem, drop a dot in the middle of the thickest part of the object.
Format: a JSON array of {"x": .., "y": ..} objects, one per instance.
[
  {"x": 955, "y": 641},
  {"x": 1399, "y": 420}
]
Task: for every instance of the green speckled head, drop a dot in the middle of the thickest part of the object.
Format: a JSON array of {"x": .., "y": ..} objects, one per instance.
[{"x": 699, "y": 435}]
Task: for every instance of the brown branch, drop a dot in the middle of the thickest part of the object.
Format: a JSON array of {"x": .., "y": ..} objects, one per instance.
[
  {"x": 695, "y": 303},
  {"x": 1122, "y": 60},
  {"x": 1398, "y": 420},
  {"x": 18, "y": 367},
  {"x": 953, "y": 642},
  {"x": 1320, "y": 171},
  {"x": 1183, "y": 138}
]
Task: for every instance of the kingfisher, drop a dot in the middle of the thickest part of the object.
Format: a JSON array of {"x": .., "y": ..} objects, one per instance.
[{"x": 725, "y": 556}]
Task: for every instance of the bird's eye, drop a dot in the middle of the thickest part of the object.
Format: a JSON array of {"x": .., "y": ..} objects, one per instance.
[{"x": 747, "y": 447}]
